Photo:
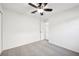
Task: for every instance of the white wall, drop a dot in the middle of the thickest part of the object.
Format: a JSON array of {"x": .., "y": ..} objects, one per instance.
[
  {"x": 0, "y": 28},
  {"x": 64, "y": 29},
  {"x": 0, "y": 32},
  {"x": 19, "y": 29},
  {"x": 0, "y": 7}
]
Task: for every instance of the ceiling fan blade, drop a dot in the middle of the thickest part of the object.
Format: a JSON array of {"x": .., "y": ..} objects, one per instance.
[
  {"x": 48, "y": 9},
  {"x": 34, "y": 11},
  {"x": 45, "y": 4},
  {"x": 39, "y": 4},
  {"x": 32, "y": 5},
  {"x": 41, "y": 13}
]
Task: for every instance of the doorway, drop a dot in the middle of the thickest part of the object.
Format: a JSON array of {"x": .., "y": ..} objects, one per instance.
[{"x": 44, "y": 29}]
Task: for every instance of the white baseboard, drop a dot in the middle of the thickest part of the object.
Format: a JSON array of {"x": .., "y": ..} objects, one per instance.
[{"x": 62, "y": 46}]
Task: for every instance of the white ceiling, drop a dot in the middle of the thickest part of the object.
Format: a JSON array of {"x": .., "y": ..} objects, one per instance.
[{"x": 26, "y": 9}]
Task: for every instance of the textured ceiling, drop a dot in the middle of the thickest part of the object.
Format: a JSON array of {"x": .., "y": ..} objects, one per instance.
[{"x": 24, "y": 8}]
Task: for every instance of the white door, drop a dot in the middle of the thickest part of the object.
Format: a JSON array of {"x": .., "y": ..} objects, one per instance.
[
  {"x": 0, "y": 32},
  {"x": 44, "y": 30}
]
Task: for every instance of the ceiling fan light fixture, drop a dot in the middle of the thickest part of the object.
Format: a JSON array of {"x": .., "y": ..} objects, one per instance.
[{"x": 40, "y": 10}]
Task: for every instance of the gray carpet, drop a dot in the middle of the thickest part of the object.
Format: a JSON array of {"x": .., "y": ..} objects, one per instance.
[{"x": 40, "y": 48}]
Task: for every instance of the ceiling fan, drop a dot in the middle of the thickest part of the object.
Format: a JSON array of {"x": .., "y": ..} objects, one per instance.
[{"x": 40, "y": 8}]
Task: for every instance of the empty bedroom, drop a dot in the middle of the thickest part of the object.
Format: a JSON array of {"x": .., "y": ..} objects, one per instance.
[{"x": 39, "y": 29}]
